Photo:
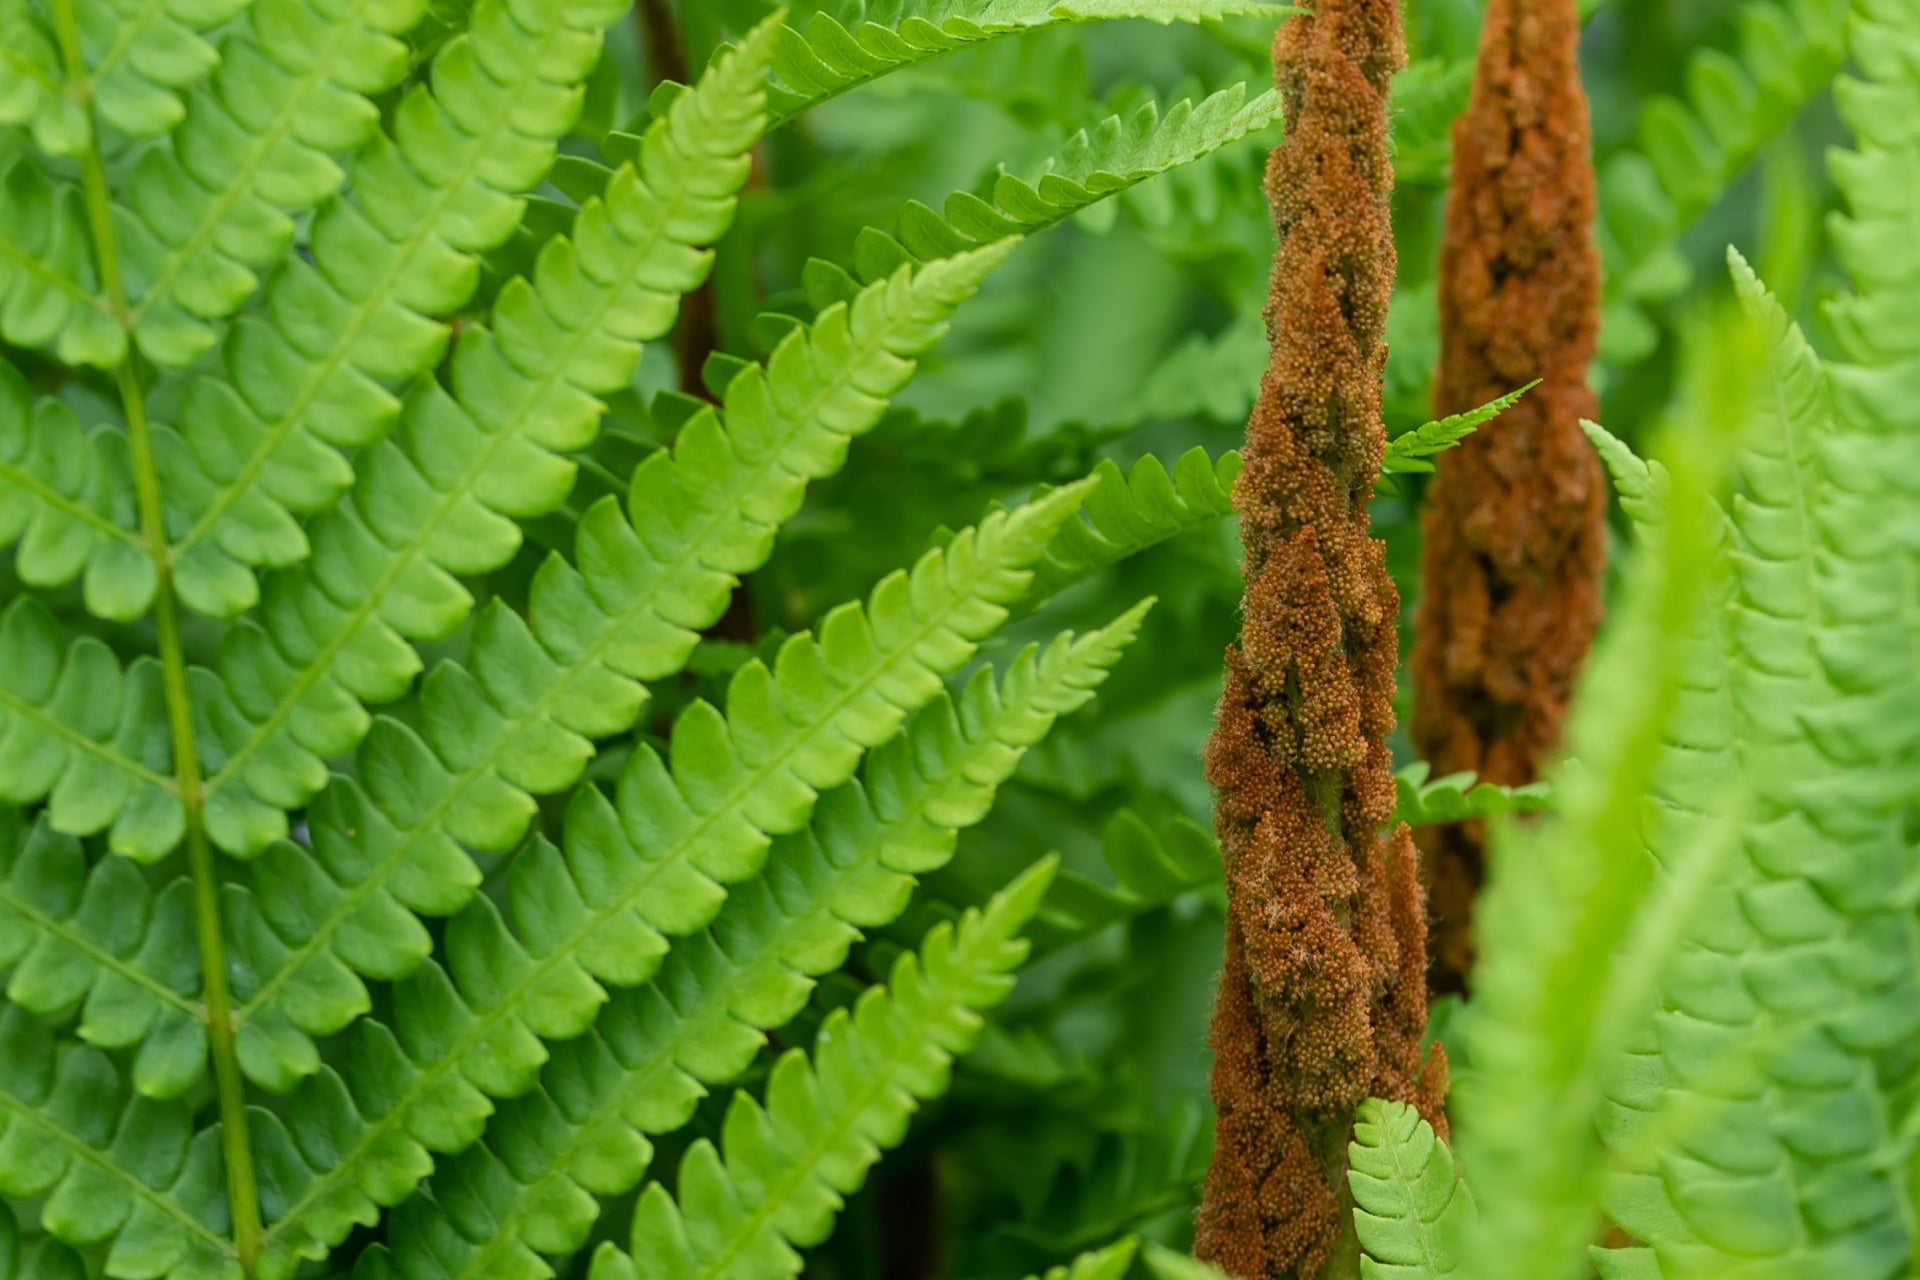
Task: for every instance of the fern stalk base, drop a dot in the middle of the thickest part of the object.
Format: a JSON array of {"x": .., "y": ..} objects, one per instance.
[{"x": 243, "y": 1193}]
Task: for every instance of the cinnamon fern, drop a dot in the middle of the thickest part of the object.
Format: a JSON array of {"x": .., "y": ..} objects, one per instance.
[{"x": 379, "y": 883}]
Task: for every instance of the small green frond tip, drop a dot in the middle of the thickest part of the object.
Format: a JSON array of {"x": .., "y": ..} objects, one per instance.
[
  {"x": 1460, "y": 797},
  {"x": 1412, "y": 452},
  {"x": 1409, "y": 1202}
]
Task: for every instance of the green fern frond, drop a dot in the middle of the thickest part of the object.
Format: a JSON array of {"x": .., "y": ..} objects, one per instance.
[
  {"x": 699, "y": 1021},
  {"x": 139, "y": 57},
  {"x": 870, "y": 40},
  {"x": 1461, "y": 797},
  {"x": 99, "y": 940},
  {"x": 1570, "y": 913},
  {"x": 1815, "y": 693},
  {"x": 778, "y": 1179},
  {"x": 1150, "y": 868},
  {"x": 1641, "y": 483},
  {"x": 303, "y": 381},
  {"x": 1127, "y": 513},
  {"x": 66, "y": 501},
  {"x": 33, "y": 82},
  {"x": 86, "y": 735},
  {"x": 1412, "y": 452},
  {"x": 1690, "y": 152},
  {"x": 106, "y": 1166},
  {"x": 1115, "y": 156},
  {"x": 655, "y": 865},
  {"x": 629, "y": 613},
  {"x": 254, "y": 148},
  {"x": 260, "y": 145},
  {"x": 1409, "y": 1203},
  {"x": 441, "y": 499}
]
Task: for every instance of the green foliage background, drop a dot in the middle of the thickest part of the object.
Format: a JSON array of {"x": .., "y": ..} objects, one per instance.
[
  {"x": 1138, "y": 332},
  {"x": 1114, "y": 346}
]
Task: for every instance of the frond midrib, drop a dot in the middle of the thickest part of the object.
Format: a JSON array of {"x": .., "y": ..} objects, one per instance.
[{"x": 230, "y": 1091}]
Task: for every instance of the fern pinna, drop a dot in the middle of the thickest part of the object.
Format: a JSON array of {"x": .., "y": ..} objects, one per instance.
[{"x": 358, "y": 916}]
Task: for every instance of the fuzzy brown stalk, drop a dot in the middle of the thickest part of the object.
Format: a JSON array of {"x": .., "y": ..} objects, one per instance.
[
  {"x": 1322, "y": 1001},
  {"x": 1515, "y": 525}
]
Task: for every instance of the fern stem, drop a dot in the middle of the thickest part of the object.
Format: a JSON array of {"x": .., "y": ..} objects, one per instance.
[
  {"x": 244, "y": 1203},
  {"x": 241, "y": 1193}
]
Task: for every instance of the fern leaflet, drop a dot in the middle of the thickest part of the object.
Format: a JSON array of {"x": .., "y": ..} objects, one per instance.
[
  {"x": 1409, "y": 1203},
  {"x": 1128, "y": 512},
  {"x": 777, "y": 1180},
  {"x": 698, "y": 1021},
  {"x": 307, "y": 382},
  {"x": 1461, "y": 797},
  {"x": 629, "y": 614},
  {"x": 441, "y": 499},
  {"x": 1798, "y": 887},
  {"x": 600, "y": 910},
  {"x": 870, "y": 40},
  {"x": 1689, "y": 152},
  {"x": 1412, "y": 452}
]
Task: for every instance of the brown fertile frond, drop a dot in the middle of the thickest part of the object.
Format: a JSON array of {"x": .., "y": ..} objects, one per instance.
[
  {"x": 1323, "y": 998},
  {"x": 1515, "y": 524}
]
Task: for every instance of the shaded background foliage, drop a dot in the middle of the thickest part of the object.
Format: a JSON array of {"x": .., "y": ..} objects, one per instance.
[{"x": 1138, "y": 331}]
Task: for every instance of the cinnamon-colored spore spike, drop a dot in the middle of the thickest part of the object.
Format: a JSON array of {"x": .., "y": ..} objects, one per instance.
[
  {"x": 1322, "y": 1001},
  {"x": 1515, "y": 524}
]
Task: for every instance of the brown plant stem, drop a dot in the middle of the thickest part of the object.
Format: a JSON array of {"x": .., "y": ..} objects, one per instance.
[
  {"x": 1322, "y": 1001},
  {"x": 697, "y": 334},
  {"x": 1515, "y": 523}
]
